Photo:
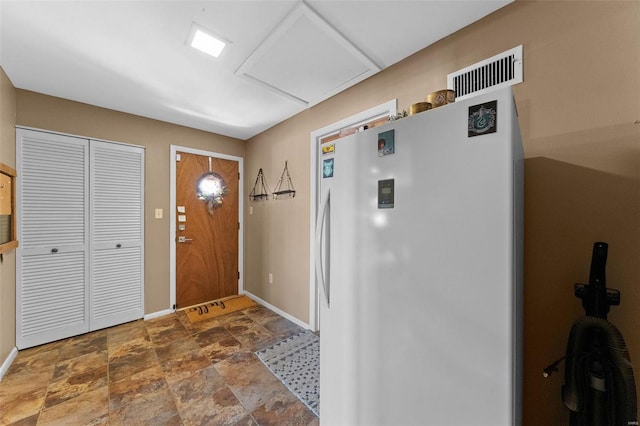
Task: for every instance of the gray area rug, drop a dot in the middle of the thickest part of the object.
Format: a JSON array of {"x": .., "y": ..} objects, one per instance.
[{"x": 296, "y": 362}]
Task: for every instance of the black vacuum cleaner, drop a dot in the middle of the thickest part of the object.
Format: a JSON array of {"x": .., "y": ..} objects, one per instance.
[{"x": 599, "y": 388}]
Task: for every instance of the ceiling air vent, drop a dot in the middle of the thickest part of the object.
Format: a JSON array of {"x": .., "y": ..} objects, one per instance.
[{"x": 504, "y": 69}]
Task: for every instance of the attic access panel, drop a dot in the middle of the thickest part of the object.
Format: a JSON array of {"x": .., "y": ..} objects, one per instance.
[{"x": 306, "y": 60}]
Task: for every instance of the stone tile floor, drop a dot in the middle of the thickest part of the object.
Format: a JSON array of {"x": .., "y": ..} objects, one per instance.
[{"x": 165, "y": 371}]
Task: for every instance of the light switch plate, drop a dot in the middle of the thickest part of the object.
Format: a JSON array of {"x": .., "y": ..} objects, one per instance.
[{"x": 158, "y": 213}]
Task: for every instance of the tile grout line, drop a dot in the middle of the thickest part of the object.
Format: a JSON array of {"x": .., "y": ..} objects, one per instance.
[
  {"x": 46, "y": 393},
  {"x": 108, "y": 379},
  {"x": 226, "y": 384},
  {"x": 164, "y": 373}
]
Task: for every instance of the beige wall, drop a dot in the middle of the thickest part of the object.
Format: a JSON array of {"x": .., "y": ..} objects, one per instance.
[
  {"x": 577, "y": 110},
  {"x": 46, "y": 112},
  {"x": 8, "y": 263}
]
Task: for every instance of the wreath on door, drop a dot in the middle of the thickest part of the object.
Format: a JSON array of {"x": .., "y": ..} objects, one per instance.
[{"x": 211, "y": 188}]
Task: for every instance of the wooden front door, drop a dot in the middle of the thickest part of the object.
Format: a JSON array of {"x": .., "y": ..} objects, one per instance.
[{"x": 206, "y": 242}]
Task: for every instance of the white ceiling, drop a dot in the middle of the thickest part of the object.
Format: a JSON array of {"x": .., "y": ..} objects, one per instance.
[{"x": 284, "y": 55}]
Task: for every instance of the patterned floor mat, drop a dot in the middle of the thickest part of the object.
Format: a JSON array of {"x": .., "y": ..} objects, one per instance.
[{"x": 296, "y": 362}]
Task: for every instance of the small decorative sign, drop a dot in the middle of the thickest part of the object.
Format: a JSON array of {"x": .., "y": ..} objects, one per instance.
[
  {"x": 483, "y": 119},
  {"x": 386, "y": 143},
  {"x": 328, "y": 149},
  {"x": 327, "y": 168}
]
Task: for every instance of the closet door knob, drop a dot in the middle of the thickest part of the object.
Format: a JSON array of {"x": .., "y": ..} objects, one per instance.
[
  {"x": 118, "y": 245},
  {"x": 54, "y": 250}
]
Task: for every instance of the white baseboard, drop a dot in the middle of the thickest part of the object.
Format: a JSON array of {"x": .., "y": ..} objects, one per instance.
[
  {"x": 158, "y": 314},
  {"x": 7, "y": 362},
  {"x": 278, "y": 311}
]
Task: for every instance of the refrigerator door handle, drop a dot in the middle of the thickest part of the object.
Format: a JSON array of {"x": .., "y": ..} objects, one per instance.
[{"x": 324, "y": 206}]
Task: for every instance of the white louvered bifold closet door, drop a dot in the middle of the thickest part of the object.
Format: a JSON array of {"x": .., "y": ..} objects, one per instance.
[
  {"x": 80, "y": 217},
  {"x": 117, "y": 225},
  {"x": 53, "y": 216}
]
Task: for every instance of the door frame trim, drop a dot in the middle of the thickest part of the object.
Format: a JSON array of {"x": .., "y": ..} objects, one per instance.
[
  {"x": 172, "y": 216},
  {"x": 384, "y": 109}
]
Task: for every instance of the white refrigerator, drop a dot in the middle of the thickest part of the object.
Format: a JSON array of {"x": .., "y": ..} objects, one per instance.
[{"x": 419, "y": 246}]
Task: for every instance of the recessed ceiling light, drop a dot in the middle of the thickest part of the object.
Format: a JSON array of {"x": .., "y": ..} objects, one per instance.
[{"x": 204, "y": 41}]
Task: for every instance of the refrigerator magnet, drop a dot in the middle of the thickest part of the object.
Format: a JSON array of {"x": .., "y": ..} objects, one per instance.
[
  {"x": 327, "y": 168},
  {"x": 386, "y": 143},
  {"x": 386, "y": 192},
  {"x": 483, "y": 119},
  {"x": 328, "y": 149}
]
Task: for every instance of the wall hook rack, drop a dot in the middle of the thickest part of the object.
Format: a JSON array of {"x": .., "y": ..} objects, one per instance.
[
  {"x": 285, "y": 185},
  {"x": 260, "y": 189}
]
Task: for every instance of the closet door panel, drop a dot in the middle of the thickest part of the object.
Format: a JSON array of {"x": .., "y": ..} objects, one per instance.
[
  {"x": 116, "y": 290},
  {"x": 54, "y": 190},
  {"x": 117, "y": 191},
  {"x": 53, "y": 216},
  {"x": 117, "y": 224},
  {"x": 53, "y": 298}
]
